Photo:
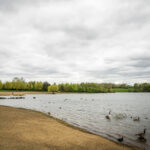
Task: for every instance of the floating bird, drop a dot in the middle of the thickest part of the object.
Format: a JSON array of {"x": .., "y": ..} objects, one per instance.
[
  {"x": 34, "y": 97},
  {"x": 120, "y": 139},
  {"x": 141, "y": 134},
  {"x": 59, "y": 107},
  {"x": 142, "y": 139},
  {"x": 136, "y": 119},
  {"x": 107, "y": 117},
  {"x": 109, "y": 112}
]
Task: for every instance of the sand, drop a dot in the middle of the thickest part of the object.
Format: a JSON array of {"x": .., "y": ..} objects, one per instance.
[{"x": 22, "y": 129}]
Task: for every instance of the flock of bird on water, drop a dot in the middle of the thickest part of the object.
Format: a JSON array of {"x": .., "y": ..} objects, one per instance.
[{"x": 140, "y": 136}]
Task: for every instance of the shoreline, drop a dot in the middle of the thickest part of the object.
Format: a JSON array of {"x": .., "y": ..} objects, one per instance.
[
  {"x": 19, "y": 93},
  {"x": 22, "y": 128}
]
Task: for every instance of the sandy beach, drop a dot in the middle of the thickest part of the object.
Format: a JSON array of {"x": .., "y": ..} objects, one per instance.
[{"x": 22, "y": 129}]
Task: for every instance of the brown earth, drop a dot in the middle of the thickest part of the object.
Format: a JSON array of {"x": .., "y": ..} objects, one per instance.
[
  {"x": 22, "y": 129},
  {"x": 21, "y": 93}
]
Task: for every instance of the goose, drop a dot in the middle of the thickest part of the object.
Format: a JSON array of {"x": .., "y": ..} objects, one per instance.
[
  {"x": 142, "y": 134},
  {"x": 120, "y": 139},
  {"x": 109, "y": 112},
  {"x": 107, "y": 117},
  {"x": 136, "y": 119}
]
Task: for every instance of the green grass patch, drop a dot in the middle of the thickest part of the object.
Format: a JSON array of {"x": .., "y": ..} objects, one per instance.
[{"x": 124, "y": 90}]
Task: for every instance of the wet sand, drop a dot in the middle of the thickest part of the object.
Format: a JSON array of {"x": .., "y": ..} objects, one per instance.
[{"x": 22, "y": 129}]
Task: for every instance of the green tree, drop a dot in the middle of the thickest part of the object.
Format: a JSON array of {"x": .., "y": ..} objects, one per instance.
[
  {"x": 1, "y": 85},
  {"x": 8, "y": 85},
  {"x": 45, "y": 86},
  {"x": 38, "y": 86},
  {"x": 53, "y": 88}
]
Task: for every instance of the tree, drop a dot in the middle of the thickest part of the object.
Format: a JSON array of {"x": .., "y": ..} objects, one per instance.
[
  {"x": 38, "y": 86},
  {"x": 18, "y": 84},
  {"x": 53, "y": 88},
  {"x": 8, "y": 85},
  {"x": 1, "y": 85},
  {"x": 30, "y": 86},
  {"x": 45, "y": 86}
]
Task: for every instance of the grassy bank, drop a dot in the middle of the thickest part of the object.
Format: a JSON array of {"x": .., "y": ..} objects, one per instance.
[
  {"x": 22, "y": 129},
  {"x": 124, "y": 90}
]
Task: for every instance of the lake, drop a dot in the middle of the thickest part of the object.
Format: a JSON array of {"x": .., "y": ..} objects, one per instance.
[{"x": 88, "y": 111}]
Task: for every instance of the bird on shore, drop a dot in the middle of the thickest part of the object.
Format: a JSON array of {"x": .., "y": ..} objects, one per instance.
[
  {"x": 120, "y": 139},
  {"x": 49, "y": 113}
]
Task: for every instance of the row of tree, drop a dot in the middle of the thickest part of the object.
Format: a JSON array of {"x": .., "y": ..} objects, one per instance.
[{"x": 20, "y": 84}]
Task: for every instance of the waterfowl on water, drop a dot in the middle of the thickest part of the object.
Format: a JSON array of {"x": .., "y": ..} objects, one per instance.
[
  {"x": 120, "y": 139},
  {"x": 142, "y": 139},
  {"x": 141, "y": 134},
  {"x": 109, "y": 112},
  {"x": 136, "y": 119},
  {"x": 107, "y": 117}
]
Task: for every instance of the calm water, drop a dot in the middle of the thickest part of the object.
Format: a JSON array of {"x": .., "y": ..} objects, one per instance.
[{"x": 88, "y": 111}]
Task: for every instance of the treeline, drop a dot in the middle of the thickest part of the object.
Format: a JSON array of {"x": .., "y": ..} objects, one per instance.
[
  {"x": 82, "y": 87},
  {"x": 19, "y": 84}
]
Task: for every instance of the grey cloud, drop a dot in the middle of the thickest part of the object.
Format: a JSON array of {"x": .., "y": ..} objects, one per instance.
[
  {"x": 74, "y": 40},
  {"x": 142, "y": 62}
]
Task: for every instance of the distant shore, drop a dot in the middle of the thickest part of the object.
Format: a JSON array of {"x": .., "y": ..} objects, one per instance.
[
  {"x": 26, "y": 129},
  {"x": 19, "y": 93}
]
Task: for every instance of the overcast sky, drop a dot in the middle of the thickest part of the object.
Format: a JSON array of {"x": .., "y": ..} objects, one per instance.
[{"x": 75, "y": 40}]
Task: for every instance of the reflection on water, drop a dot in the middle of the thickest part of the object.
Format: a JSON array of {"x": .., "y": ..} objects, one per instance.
[{"x": 89, "y": 111}]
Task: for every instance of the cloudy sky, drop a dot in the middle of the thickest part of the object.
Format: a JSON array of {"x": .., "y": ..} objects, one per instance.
[{"x": 75, "y": 40}]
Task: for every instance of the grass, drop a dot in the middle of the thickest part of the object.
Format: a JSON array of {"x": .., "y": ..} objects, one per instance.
[{"x": 124, "y": 90}]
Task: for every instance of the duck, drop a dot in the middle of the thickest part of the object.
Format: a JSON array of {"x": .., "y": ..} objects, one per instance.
[
  {"x": 142, "y": 139},
  {"x": 136, "y": 119},
  {"x": 109, "y": 112},
  {"x": 120, "y": 139},
  {"x": 107, "y": 117},
  {"x": 142, "y": 134}
]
